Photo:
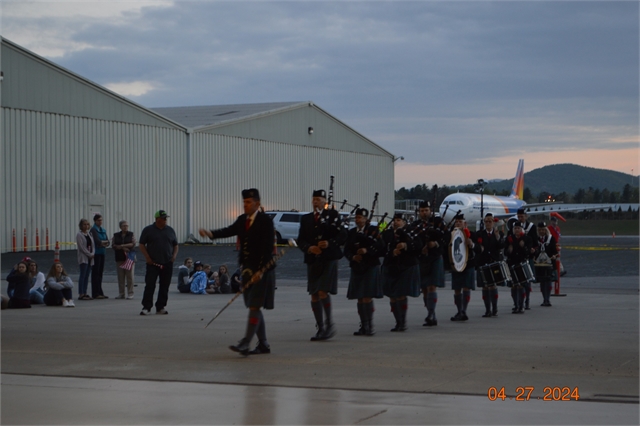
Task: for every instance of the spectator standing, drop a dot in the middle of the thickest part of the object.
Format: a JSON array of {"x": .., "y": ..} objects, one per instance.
[
  {"x": 86, "y": 252},
  {"x": 123, "y": 244},
  {"x": 159, "y": 246},
  {"x": 101, "y": 240},
  {"x": 59, "y": 287},
  {"x": 19, "y": 285},
  {"x": 36, "y": 294}
]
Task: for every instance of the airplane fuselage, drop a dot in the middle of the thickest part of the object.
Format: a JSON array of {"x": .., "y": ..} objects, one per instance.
[{"x": 470, "y": 206}]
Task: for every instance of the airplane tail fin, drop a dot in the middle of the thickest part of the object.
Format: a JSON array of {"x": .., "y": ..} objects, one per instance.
[{"x": 517, "y": 191}]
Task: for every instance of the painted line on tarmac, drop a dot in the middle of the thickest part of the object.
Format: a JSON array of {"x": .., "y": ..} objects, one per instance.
[{"x": 598, "y": 248}]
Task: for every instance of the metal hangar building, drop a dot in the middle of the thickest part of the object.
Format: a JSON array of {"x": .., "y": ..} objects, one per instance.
[{"x": 72, "y": 148}]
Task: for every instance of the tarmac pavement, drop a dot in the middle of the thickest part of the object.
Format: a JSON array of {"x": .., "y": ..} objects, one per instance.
[{"x": 103, "y": 363}]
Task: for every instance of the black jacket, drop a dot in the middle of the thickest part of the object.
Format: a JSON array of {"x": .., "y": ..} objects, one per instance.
[
  {"x": 256, "y": 245},
  {"x": 312, "y": 232}
]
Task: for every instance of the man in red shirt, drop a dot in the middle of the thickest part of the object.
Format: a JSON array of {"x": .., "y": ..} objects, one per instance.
[{"x": 555, "y": 232}]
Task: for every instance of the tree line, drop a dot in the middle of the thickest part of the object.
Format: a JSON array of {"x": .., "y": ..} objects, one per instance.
[{"x": 629, "y": 194}]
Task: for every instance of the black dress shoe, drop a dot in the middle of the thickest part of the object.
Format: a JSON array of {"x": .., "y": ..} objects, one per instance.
[
  {"x": 260, "y": 349},
  {"x": 427, "y": 323},
  {"x": 487, "y": 315},
  {"x": 242, "y": 348},
  {"x": 329, "y": 332},
  {"x": 457, "y": 317},
  {"x": 318, "y": 335},
  {"x": 360, "y": 332},
  {"x": 465, "y": 317},
  {"x": 494, "y": 313}
]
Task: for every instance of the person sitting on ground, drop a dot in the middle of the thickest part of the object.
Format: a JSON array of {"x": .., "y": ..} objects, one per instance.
[
  {"x": 223, "y": 277},
  {"x": 198, "y": 279},
  {"x": 19, "y": 286},
  {"x": 183, "y": 276},
  {"x": 213, "y": 286},
  {"x": 59, "y": 287},
  {"x": 36, "y": 294},
  {"x": 236, "y": 280}
]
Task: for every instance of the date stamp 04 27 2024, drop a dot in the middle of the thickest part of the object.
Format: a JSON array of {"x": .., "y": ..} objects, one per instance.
[{"x": 523, "y": 393}]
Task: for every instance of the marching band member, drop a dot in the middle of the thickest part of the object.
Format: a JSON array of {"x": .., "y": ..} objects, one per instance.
[
  {"x": 320, "y": 242},
  {"x": 463, "y": 282},
  {"x": 400, "y": 270},
  {"x": 363, "y": 250},
  {"x": 530, "y": 229},
  {"x": 255, "y": 230},
  {"x": 545, "y": 244},
  {"x": 491, "y": 243},
  {"x": 431, "y": 232},
  {"x": 517, "y": 252},
  {"x": 555, "y": 232}
]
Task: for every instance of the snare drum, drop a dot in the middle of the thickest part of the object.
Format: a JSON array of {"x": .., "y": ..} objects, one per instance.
[
  {"x": 495, "y": 274},
  {"x": 544, "y": 271},
  {"x": 522, "y": 273}
]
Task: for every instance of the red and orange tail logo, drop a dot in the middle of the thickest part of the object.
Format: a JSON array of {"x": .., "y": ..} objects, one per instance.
[{"x": 517, "y": 191}]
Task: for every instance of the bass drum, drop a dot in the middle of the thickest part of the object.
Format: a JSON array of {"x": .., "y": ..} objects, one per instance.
[{"x": 458, "y": 250}]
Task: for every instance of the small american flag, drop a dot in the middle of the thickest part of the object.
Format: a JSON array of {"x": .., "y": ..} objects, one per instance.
[{"x": 131, "y": 260}]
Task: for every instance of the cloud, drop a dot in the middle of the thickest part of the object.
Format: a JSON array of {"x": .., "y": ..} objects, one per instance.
[
  {"x": 446, "y": 83},
  {"x": 133, "y": 88}
]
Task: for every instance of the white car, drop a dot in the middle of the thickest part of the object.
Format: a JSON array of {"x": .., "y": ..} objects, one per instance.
[{"x": 287, "y": 223}]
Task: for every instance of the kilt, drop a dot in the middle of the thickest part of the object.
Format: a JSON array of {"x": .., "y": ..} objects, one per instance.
[
  {"x": 262, "y": 293},
  {"x": 432, "y": 273},
  {"x": 365, "y": 284},
  {"x": 465, "y": 279},
  {"x": 322, "y": 275},
  {"x": 401, "y": 282}
]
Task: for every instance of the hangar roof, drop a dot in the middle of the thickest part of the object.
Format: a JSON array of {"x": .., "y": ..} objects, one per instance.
[{"x": 210, "y": 115}]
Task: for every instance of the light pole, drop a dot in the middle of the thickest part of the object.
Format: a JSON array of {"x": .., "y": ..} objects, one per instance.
[{"x": 479, "y": 187}]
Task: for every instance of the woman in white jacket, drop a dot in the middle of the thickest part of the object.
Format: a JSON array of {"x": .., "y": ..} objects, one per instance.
[{"x": 86, "y": 252}]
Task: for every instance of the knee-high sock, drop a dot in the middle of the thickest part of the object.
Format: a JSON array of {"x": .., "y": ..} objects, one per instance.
[
  {"x": 317, "y": 313},
  {"x": 361, "y": 314},
  {"x": 432, "y": 300},
  {"x": 261, "y": 332},
  {"x": 457, "y": 299},
  {"x": 252, "y": 325},
  {"x": 486, "y": 298},
  {"x": 522, "y": 294},
  {"x": 395, "y": 310},
  {"x": 494, "y": 299},
  {"x": 404, "y": 306},
  {"x": 369, "y": 308},
  {"x": 326, "y": 306},
  {"x": 466, "y": 297}
]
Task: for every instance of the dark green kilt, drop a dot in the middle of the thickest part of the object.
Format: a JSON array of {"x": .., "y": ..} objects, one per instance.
[
  {"x": 365, "y": 284},
  {"x": 465, "y": 279},
  {"x": 398, "y": 282},
  {"x": 432, "y": 273},
  {"x": 262, "y": 293},
  {"x": 322, "y": 275}
]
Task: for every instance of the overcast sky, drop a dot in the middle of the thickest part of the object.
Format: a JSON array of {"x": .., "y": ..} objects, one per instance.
[{"x": 461, "y": 90}]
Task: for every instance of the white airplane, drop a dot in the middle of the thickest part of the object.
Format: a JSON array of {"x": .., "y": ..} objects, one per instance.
[{"x": 501, "y": 207}]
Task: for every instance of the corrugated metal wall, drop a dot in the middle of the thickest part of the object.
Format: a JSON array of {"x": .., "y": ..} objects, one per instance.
[
  {"x": 285, "y": 174},
  {"x": 56, "y": 167}
]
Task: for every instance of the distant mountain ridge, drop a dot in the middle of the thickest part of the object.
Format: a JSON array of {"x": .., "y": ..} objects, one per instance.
[{"x": 569, "y": 178}]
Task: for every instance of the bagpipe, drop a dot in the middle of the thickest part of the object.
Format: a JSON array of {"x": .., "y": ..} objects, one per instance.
[{"x": 330, "y": 223}]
